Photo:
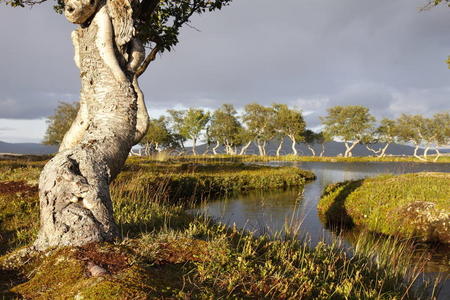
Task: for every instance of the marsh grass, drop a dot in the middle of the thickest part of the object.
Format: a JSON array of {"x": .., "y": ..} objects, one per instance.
[
  {"x": 411, "y": 205},
  {"x": 166, "y": 253}
]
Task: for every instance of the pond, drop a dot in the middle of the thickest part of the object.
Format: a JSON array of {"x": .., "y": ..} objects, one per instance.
[{"x": 271, "y": 211}]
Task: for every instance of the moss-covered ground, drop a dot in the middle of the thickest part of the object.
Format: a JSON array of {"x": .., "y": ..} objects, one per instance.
[
  {"x": 410, "y": 205},
  {"x": 165, "y": 253}
]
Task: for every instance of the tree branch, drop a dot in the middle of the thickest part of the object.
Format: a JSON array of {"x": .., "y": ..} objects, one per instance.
[
  {"x": 147, "y": 7},
  {"x": 150, "y": 57}
]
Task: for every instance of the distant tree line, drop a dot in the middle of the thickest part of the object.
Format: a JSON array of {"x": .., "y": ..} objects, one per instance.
[{"x": 258, "y": 124}]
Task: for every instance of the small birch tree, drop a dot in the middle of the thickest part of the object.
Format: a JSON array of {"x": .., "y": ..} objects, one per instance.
[{"x": 348, "y": 123}]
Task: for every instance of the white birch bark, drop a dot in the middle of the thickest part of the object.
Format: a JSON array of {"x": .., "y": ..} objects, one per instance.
[
  {"x": 323, "y": 150},
  {"x": 383, "y": 151},
  {"x": 438, "y": 154},
  {"x": 280, "y": 146},
  {"x": 311, "y": 149},
  {"x": 74, "y": 195},
  {"x": 244, "y": 149},
  {"x": 294, "y": 144},
  {"x": 215, "y": 147},
  {"x": 349, "y": 148},
  {"x": 415, "y": 153}
]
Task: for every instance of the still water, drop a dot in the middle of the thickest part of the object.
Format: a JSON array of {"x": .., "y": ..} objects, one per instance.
[{"x": 270, "y": 211}]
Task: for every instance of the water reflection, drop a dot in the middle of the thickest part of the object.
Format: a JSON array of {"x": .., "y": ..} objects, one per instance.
[{"x": 269, "y": 212}]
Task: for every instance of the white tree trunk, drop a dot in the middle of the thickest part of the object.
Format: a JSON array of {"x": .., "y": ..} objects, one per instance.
[
  {"x": 323, "y": 150},
  {"x": 280, "y": 146},
  {"x": 260, "y": 148},
  {"x": 425, "y": 152},
  {"x": 438, "y": 154},
  {"x": 294, "y": 144},
  {"x": 415, "y": 153},
  {"x": 383, "y": 151},
  {"x": 245, "y": 148},
  {"x": 349, "y": 148},
  {"x": 74, "y": 195},
  {"x": 215, "y": 147},
  {"x": 311, "y": 149}
]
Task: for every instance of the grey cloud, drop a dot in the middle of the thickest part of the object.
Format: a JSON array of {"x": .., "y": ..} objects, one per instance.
[{"x": 309, "y": 53}]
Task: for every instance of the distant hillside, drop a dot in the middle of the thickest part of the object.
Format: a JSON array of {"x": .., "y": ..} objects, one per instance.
[
  {"x": 27, "y": 148},
  {"x": 331, "y": 149}
]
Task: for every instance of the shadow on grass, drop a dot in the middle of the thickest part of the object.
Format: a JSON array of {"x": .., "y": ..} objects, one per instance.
[
  {"x": 9, "y": 279},
  {"x": 336, "y": 216}
]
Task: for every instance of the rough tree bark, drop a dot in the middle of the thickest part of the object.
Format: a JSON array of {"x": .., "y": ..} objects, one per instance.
[{"x": 74, "y": 195}]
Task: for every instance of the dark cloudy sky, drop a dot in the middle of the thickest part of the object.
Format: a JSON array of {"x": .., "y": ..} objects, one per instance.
[{"x": 311, "y": 54}]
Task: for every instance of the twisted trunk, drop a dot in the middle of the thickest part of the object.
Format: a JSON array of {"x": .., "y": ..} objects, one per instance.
[
  {"x": 415, "y": 153},
  {"x": 294, "y": 144},
  {"x": 244, "y": 149},
  {"x": 425, "y": 152},
  {"x": 313, "y": 152},
  {"x": 280, "y": 146},
  {"x": 438, "y": 154},
  {"x": 349, "y": 148},
  {"x": 215, "y": 147},
  {"x": 383, "y": 151},
  {"x": 323, "y": 150},
  {"x": 74, "y": 194},
  {"x": 260, "y": 148}
]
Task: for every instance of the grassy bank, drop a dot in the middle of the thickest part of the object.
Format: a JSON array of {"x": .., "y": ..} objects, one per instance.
[
  {"x": 165, "y": 253},
  {"x": 170, "y": 182},
  {"x": 411, "y": 205}
]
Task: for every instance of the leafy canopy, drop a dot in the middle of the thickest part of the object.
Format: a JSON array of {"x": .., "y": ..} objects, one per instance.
[
  {"x": 288, "y": 122},
  {"x": 259, "y": 121},
  {"x": 158, "y": 135},
  {"x": 225, "y": 127},
  {"x": 349, "y": 123}
]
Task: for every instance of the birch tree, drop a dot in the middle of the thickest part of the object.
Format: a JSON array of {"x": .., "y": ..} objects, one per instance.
[
  {"x": 225, "y": 128},
  {"x": 441, "y": 129},
  {"x": 348, "y": 123},
  {"x": 385, "y": 133},
  {"x": 259, "y": 121},
  {"x": 288, "y": 122},
  {"x": 194, "y": 123},
  {"x": 110, "y": 43},
  {"x": 158, "y": 136},
  {"x": 409, "y": 130}
]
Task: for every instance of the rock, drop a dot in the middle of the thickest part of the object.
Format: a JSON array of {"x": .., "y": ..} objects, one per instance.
[
  {"x": 426, "y": 222},
  {"x": 96, "y": 271}
]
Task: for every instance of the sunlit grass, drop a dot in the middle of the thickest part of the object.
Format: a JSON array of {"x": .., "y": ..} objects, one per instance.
[
  {"x": 410, "y": 205},
  {"x": 171, "y": 254}
]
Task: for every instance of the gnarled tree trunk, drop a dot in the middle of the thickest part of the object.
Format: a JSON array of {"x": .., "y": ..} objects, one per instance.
[{"x": 74, "y": 195}]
